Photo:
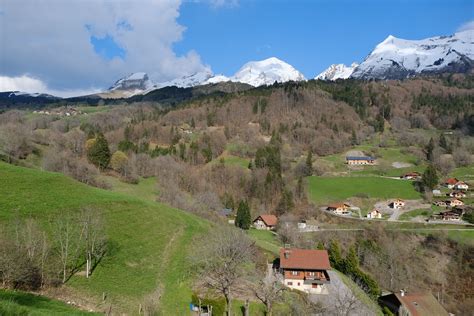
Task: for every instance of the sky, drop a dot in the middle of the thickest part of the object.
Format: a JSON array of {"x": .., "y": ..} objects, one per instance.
[{"x": 72, "y": 47}]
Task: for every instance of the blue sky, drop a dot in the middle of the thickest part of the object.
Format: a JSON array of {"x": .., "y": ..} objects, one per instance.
[
  {"x": 310, "y": 35},
  {"x": 87, "y": 45}
]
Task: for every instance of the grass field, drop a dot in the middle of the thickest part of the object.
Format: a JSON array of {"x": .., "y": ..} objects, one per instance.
[
  {"x": 151, "y": 240},
  {"x": 146, "y": 189},
  {"x": 20, "y": 303},
  {"x": 415, "y": 213},
  {"x": 329, "y": 189}
]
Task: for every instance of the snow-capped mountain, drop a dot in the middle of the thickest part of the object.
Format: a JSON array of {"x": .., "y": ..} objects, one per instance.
[
  {"x": 337, "y": 71},
  {"x": 136, "y": 81},
  {"x": 195, "y": 79},
  {"x": 266, "y": 72},
  {"x": 396, "y": 58}
]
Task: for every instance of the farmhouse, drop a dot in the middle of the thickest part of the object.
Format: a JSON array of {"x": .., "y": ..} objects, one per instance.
[
  {"x": 413, "y": 304},
  {"x": 411, "y": 176},
  {"x": 397, "y": 204},
  {"x": 453, "y": 215},
  {"x": 451, "y": 182},
  {"x": 305, "y": 270},
  {"x": 461, "y": 185},
  {"x": 363, "y": 160},
  {"x": 374, "y": 214},
  {"x": 339, "y": 208},
  {"x": 454, "y": 202},
  {"x": 456, "y": 194},
  {"x": 265, "y": 222}
]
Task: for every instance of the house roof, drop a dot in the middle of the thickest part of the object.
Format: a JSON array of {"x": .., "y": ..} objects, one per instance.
[
  {"x": 268, "y": 219},
  {"x": 413, "y": 174},
  {"x": 304, "y": 259},
  {"x": 338, "y": 205},
  {"x": 451, "y": 181},
  {"x": 359, "y": 158},
  {"x": 421, "y": 304},
  {"x": 461, "y": 183}
]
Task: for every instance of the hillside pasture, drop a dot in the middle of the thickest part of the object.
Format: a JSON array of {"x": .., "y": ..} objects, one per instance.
[{"x": 331, "y": 189}]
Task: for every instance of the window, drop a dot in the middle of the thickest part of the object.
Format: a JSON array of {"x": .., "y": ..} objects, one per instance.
[
  {"x": 290, "y": 283},
  {"x": 311, "y": 273},
  {"x": 298, "y": 283},
  {"x": 314, "y": 286},
  {"x": 294, "y": 272}
]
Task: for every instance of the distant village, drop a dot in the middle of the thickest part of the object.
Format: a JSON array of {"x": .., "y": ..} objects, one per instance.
[{"x": 60, "y": 111}]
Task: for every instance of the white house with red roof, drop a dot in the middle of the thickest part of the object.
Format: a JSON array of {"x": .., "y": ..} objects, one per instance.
[
  {"x": 265, "y": 222},
  {"x": 451, "y": 182},
  {"x": 461, "y": 185},
  {"x": 305, "y": 270}
]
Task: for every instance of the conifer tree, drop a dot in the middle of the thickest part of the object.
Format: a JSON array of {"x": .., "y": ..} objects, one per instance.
[
  {"x": 335, "y": 254},
  {"x": 309, "y": 163},
  {"x": 243, "y": 219},
  {"x": 99, "y": 153},
  {"x": 429, "y": 150},
  {"x": 430, "y": 177}
]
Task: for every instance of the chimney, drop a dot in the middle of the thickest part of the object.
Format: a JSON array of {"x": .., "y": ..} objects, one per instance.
[
  {"x": 402, "y": 293},
  {"x": 287, "y": 253}
]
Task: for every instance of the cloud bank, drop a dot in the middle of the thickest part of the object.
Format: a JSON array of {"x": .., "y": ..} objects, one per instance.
[
  {"x": 46, "y": 44},
  {"x": 466, "y": 26}
]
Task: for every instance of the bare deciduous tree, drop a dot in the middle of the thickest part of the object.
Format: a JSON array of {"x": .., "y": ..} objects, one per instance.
[
  {"x": 269, "y": 290},
  {"x": 222, "y": 259}
]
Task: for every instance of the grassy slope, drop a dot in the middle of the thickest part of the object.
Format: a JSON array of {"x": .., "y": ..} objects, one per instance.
[
  {"x": 327, "y": 189},
  {"x": 150, "y": 239},
  {"x": 20, "y": 303}
]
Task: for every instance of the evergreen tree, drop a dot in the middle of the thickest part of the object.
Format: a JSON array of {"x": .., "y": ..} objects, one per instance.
[
  {"x": 193, "y": 123},
  {"x": 99, "y": 153},
  {"x": 354, "y": 140},
  {"x": 430, "y": 177},
  {"x": 320, "y": 246},
  {"x": 300, "y": 194},
  {"x": 335, "y": 254},
  {"x": 309, "y": 163},
  {"x": 351, "y": 263},
  {"x": 429, "y": 150},
  {"x": 243, "y": 219},
  {"x": 443, "y": 143},
  {"x": 286, "y": 202}
]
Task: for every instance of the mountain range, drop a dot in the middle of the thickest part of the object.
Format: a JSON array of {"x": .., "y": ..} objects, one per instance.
[{"x": 393, "y": 58}]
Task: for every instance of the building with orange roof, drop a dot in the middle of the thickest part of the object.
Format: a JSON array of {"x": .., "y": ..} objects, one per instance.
[
  {"x": 305, "y": 270},
  {"x": 266, "y": 222}
]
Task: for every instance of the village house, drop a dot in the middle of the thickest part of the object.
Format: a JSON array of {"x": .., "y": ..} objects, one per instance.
[
  {"x": 456, "y": 194},
  {"x": 374, "y": 214},
  {"x": 451, "y": 182},
  {"x": 363, "y": 160},
  {"x": 411, "y": 176},
  {"x": 461, "y": 185},
  {"x": 452, "y": 215},
  {"x": 413, "y": 304},
  {"x": 454, "y": 202},
  {"x": 307, "y": 225},
  {"x": 339, "y": 208},
  {"x": 440, "y": 203},
  {"x": 397, "y": 204},
  {"x": 265, "y": 222},
  {"x": 305, "y": 270}
]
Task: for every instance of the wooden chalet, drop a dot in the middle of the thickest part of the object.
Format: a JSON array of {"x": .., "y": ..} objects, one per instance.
[
  {"x": 413, "y": 304},
  {"x": 265, "y": 222}
]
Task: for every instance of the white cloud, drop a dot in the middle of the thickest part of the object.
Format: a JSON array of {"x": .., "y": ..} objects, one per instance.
[
  {"x": 50, "y": 40},
  {"x": 224, "y": 3},
  {"x": 29, "y": 84},
  {"x": 466, "y": 26}
]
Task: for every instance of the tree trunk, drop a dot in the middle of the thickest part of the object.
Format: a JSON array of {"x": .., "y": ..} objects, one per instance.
[
  {"x": 269, "y": 309},
  {"x": 228, "y": 302}
]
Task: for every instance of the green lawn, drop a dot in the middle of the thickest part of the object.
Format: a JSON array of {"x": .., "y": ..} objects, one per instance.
[
  {"x": 329, "y": 189},
  {"x": 146, "y": 188},
  {"x": 415, "y": 213},
  {"x": 21, "y": 303},
  {"x": 151, "y": 240},
  {"x": 266, "y": 240},
  {"x": 231, "y": 160}
]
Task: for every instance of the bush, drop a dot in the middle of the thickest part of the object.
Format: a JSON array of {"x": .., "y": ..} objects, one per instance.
[{"x": 218, "y": 304}]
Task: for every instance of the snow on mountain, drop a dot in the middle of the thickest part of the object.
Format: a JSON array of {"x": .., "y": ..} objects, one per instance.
[
  {"x": 337, "y": 71},
  {"x": 266, "y": 72},
  {"x": 27, "y": 94},
  {"x": 396, "y": 58},
  {"x": 138, "y": 81},
  {"x": 192, "y": 80}
]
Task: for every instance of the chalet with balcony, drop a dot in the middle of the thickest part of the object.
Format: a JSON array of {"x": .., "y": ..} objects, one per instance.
[
  {"x": 305, "y": 270},
  {"x": 411, "y": 176},
  {"x": 339, "y": 208},
  {"x": 397, "y": 204},
  {"x": 265, "y": 222},
  {"x": 374, "y": 214},
  {"x": 450, "y": 183},
  {"x": 457, "y": 194},
  {"x": 454, "y": 202},
  {"x": 461, "y": 185},
  {"x": 361, "y": 161},
  {"x": 454, "y": 214},
  {"x": 413, "y": 304}
]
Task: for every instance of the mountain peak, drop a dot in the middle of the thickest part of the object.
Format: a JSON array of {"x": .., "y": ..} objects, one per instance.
[
  {"x": 266, "y": 72},
  {"x": 337, "y": 71},
  {"x": 134, "y": 81}
]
